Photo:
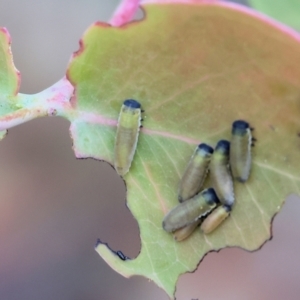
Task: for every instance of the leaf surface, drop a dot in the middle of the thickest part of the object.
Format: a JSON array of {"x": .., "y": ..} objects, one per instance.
[
  {"x": 195, "y": 69},
  {"x": 17, "y": 108},
  {"x": 9, "y": 77}
]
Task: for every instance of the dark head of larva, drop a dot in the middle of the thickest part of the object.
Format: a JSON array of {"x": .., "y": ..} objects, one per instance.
[
  {"x": 131, "y": 103},
  {"x": 223, "y": 147},
  {"x": 227, "y": 208},
  {"x": 239, "y": 127},
  {"x": 210, "y": 196},
  {"x": 205, "y": 148}
]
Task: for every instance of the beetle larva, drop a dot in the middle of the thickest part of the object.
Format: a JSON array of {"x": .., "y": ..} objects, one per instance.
[
  {"x": 215, "y": 218},
  {"x": 127, "y": 135},
  {"x": 220, "y": 174},
  {"x": 184, "y": 232},
  {"x": 240, "y": 150},
  {"x": 195, "y": 173},
  {"x": 190, "y": 210}
]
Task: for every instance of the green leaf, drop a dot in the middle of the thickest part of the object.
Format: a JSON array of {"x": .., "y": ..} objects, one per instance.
[
  {"x": 9, "y": 77},
  {"x": 17, "y": 108},
  {"x": 286, "y": 11},
  {"x": 195, "y": 69}
]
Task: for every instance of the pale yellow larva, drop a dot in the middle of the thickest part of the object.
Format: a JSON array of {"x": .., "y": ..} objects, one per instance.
[
  {"x": 222, "y": 182},
  {"x": 190, "y": 210},
  {"x": 184, "y": 232},
  {"x": 215, "y": 218},
  {"x": 127, "y": 135},
  {"x": 195, "y": 173},
  {"x": 220, "y": 174},
  {"x": 240, "y": 150}
]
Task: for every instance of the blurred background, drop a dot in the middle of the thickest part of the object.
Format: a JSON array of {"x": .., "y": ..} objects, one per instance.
[{"x": 54, "y": 207}]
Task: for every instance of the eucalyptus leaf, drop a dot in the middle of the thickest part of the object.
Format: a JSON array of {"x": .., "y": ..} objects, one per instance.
[{"x": 195, "y": 68}]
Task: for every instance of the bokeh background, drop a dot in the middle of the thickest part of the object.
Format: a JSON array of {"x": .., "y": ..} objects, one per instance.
[{"x": 54, "y": 207}]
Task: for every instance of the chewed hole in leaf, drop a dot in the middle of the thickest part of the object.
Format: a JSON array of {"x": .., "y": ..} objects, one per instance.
[
  {"x": 53, "y": 209},
  {"x": 139, "y": 15}
]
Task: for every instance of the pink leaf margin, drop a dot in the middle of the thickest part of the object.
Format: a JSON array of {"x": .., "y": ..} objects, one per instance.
[
  {"x": 124, "y": 12},
  {"x": 127, "y": 8},
  {"x": 5, "y": 32}
]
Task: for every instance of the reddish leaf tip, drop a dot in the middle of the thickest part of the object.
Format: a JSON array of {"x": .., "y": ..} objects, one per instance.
[
  {"x": 7, "y": 36},
  {"x": 125, "y": 12},
  {"x": 101, "y": 24}
]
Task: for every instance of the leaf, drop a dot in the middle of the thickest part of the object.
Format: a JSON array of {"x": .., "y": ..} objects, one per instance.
[
  {"x": 195, "y": 69},
  {"x": 9, "y": 77},
  {"x": 125, "y": 12},
  {"x": 286, "y": 11},
  {"x": 17, "y": 108}
]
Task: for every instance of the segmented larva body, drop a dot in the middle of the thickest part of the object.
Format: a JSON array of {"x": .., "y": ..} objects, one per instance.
[
  {"x": 195, "y": 173},
  {"x": 190, "y": 210},
  {"x": 184, "y": 232},
  {"x": 215, "y": 218},
  {"x": 220, "y": 175},
  {"x": 240, "y": 150},
  {"x": 127, "y": 135}
]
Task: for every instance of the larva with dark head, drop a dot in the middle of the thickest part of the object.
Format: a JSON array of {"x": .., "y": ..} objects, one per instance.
[
  {"x": 220, "y": 175},
  {"x": 215, "y": 218},
  {"x": 190, "y": 210},
  {"x": 127, "y": 135},
  {"x": 195, "y": 173},
  {"x": 240, "y": 152}
]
